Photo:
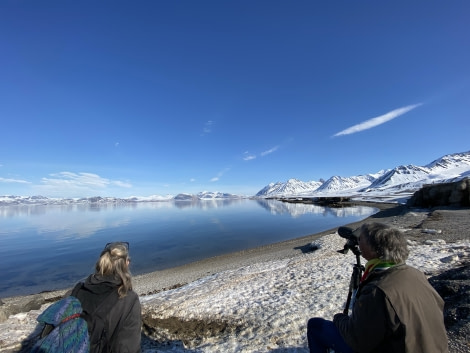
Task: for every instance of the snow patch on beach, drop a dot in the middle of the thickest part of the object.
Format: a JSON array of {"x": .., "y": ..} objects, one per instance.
[
  {"x": 262, "y": 307},
  {"x": 270, "y": 303}
]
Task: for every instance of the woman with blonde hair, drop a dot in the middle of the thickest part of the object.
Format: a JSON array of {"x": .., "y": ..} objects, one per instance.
[{"x": 112, "y": 282}]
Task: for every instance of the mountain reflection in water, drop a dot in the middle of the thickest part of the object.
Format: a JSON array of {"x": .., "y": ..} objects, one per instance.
[{"x": 45, "y": 247}]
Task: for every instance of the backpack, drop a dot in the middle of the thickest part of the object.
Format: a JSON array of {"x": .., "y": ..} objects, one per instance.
[
  {"x": 64, "y": 329},
  {"x": 70, "y": 329}
]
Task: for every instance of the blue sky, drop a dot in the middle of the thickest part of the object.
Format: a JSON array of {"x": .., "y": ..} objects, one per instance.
[{"x": 122, "y": 98}]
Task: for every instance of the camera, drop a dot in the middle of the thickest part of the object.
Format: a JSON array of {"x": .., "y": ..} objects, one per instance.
[{"x": 352, "y": 240}]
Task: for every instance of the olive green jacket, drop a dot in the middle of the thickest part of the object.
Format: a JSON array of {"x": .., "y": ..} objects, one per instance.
[{"x": 395, "y": 310}]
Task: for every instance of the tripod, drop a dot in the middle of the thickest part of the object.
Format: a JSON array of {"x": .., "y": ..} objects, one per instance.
[{"x": 356, "y": 275}]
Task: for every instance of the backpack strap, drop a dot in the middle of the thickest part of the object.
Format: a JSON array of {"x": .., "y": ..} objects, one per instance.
[
  {"x": 102, "y": 312},
  {"x": 75, "y": 289},
  {"x": 71, "y": 317}
]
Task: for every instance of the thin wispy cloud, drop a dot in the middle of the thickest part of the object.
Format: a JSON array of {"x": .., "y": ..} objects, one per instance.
[
  {"x": 265, "y": 153},
  {"x": 9, "y": 180},
  {"x": 220, "y": 174},
  {"x": 121, "y": 184},
  {"x": 379, "y": 120},
  {"x": 79, "y": 181},
  {"x": 247, "y": 156},
  {"x": 207, "y": 127}
]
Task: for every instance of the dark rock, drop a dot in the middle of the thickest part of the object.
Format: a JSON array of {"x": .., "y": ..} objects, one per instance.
[
  {"x": 453, "y": 286},
  {"x": 189, "y": 331},
  {"x": 21, "y": 305},
  {"x": 455, "y": 194}
]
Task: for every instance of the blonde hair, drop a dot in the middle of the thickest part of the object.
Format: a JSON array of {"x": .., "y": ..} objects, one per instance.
[{"x": 113, "y": 261}]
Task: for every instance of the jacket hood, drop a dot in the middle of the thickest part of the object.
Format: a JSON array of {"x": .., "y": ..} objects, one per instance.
[{"x": 98, "y": 284}]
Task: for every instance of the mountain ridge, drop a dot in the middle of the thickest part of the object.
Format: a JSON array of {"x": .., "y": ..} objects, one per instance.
[
  {"x": 401, "y": 181},
  {"x": 394, "y": 185}
]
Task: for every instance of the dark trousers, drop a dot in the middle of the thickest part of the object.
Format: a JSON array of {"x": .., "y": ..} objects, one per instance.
[{"x": 323, "y": 334}]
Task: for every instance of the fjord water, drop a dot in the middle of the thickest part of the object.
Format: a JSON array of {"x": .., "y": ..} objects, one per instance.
[{"x": 48, "y": 247}]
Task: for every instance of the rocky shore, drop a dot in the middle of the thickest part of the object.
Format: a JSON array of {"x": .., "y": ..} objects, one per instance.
[{"x": 422, "y": 225}]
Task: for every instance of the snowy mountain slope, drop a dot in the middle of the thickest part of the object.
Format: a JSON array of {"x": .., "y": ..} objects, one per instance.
[
  {"x": 401, "y": 175},
  {"x": 209, "y": 195},
  {"x": 292, "y": 186},
  {"x": 456, "y": 163},
  {"x": 12, "y": 200},
  {"x": 399, "y": 180},
  {"x": 455, "y": 160},
  {"x": 337, "y": 183}
]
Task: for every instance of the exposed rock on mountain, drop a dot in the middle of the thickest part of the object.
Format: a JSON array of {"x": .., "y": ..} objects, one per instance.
[
  {"x": 337, "y": 183},
  {"x": 400, "y": 175},
  {"x": 403, "y": 180},
  {"x": 292, "y": 186},
  {"x": 208, "y": 195}
]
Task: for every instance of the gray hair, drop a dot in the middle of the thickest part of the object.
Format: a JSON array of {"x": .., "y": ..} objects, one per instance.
[{"x": 389, "y": 243}]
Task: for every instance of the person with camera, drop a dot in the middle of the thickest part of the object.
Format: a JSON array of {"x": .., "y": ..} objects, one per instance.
[{"x": 395, "y": 309}]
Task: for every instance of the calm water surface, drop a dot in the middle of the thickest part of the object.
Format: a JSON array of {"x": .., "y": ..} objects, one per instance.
[{"x": 51, "y": 247}]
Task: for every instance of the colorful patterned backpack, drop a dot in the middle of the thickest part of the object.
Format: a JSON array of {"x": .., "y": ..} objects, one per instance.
[
  {"x": 69, "y": 329},
  {"x": 64, "y": 329}
]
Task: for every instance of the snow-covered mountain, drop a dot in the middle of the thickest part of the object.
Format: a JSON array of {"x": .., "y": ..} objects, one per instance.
[
  {"x": 292, "y": 186},
  {"x": 205, "y": 196},
  {"x": 392, "y": 185},
  {"x": 209, "y": 195},
  {"x": 456, "y": 162},
  {"x": 11, "y": 200},
  {"x": 337, "y": 183},
  {"x": 401, "y": 181},
  {"x": 400, "y": 175}
]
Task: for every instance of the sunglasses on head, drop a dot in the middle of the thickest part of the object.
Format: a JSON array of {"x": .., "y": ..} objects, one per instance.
[{"x": 112, "y": 245}]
